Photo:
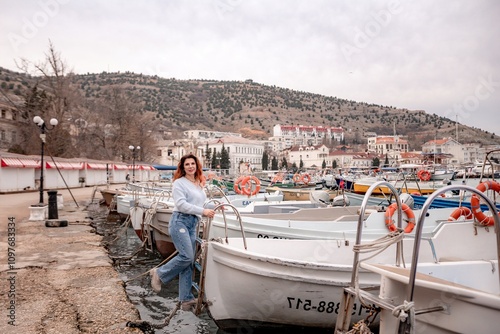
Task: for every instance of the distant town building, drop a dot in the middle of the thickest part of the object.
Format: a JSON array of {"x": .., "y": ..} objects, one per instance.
[
  {"x": 9, "y": 135},
  {"x": 240, "y": 150},
  {"x": 204, "y": 134},
  {"x": 390, "y": 146},
  {"x": 169, "y": 153},
  {"x": 311, "y": 156},
  {"x": 293, "y": 135},
  {"x": 444, "y": 151},
  {"x": 411, "y": 158}
]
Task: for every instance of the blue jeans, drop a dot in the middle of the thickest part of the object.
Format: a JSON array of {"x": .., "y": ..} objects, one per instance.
[{"x": 182, "y": 228}]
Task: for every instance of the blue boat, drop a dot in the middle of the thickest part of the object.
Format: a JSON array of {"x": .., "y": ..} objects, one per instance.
[{"x": 451, "y": 202}]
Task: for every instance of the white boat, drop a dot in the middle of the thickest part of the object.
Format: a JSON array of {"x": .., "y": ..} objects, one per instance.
[
  {"x": 294, "y": 222},
  {"x": 486, "y": 169},
  {"x": 266, "y": 282},
  {"x": 454, "y": 294},
  {"x": 150, "y": 215},
  {"x": 442, "y": 174}
]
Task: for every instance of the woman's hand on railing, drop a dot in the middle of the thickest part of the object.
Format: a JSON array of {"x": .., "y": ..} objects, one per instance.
[{"x": 208, "y": 213}]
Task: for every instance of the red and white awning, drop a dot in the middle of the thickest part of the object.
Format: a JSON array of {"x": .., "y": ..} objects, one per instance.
[
  {"x": 147, "y": 167},
  {"x": 30, "y": 163},
  {"x": 94, "y": 165},
  {"x": 64, "y": 165},
  {"x": 134, "y": 167},
  {"x": 20, "y": 163},
  {"x": 121, "y": 167},
  {"x": 12, "y": 162}
]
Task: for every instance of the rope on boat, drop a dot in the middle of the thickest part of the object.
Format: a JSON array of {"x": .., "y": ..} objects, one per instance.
[
  {"x": 380, "y": 244},
  {"x": 406, "y": 312},
  {"x": 376, "y": 246}
]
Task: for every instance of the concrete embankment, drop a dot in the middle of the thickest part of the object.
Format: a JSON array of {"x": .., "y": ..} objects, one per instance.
[{"x": 58, "y": 279}]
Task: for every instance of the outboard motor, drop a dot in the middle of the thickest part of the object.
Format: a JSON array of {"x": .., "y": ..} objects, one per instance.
[
  {"x": 341, "y": 200},
  {"x": 319, "y": 197}
]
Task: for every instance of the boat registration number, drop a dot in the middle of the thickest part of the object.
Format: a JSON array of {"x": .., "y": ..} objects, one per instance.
[
  {"x": 322, "y": 306},
  {"x": 265, "y": 236}
]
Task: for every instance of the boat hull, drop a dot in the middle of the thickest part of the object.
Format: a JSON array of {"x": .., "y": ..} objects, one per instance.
[
  {"x": 298, "y": 194},
  {"x": 161, "y": 236},
  {"x": 362, "y": 188},
  {"x": 300, "y": 282},
  {"x": 279, "y": 293},
  {"x": 445, "y": 203}
]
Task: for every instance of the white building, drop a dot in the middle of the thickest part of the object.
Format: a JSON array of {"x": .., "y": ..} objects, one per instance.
[
  {"x": 17, "y": 173},
  {"x": 204, "y": 134},
  {"x": 293, "y": 135},
  {"x": 445, "y": 151},
  {"x": 170, "y": 152},
  {"x": 240, "y": 150},
  {"x": 392, "y": 146},
  {"x": 311, "y": 156}
]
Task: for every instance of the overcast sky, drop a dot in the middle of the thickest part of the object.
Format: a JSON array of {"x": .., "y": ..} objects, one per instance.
[{"x": 439, "y": 56}]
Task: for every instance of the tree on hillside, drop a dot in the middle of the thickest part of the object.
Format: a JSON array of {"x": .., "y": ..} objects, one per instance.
[
  {"x": 53, "y": 85},
  {"x": 376, "y": 162},
  {"x": 118, "y": 122}
]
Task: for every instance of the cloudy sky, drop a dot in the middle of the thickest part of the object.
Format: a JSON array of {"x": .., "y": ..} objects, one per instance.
[{"x": 439, "y": 56}]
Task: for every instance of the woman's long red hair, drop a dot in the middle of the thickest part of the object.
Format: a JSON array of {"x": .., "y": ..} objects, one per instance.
[{"x": 180, "y": 171}]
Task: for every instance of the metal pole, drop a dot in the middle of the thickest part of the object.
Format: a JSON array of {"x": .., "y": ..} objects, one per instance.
[
  {"x": 42, "y": 137},
  {"x": 133, "y": 165}
]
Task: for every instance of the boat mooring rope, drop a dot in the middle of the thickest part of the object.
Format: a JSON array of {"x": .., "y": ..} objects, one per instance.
[
  {"x": 376, "y": 246},
  {"x": 405, "y": 311}
]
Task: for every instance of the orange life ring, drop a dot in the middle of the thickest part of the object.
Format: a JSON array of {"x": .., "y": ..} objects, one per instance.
[
  {"x": 424, "y": 175},
  {"x": 246, "y": 185},
  {"x": 460, "y": 211},
  {"x": 476, "y": 206},
  {"x": 306, "y": 178},
  {"x": 296, "y": 178},
  {"x": 236, "y": 186},
  {"x": 277, "y": 178},
  {"x": 389, "y": 222}
]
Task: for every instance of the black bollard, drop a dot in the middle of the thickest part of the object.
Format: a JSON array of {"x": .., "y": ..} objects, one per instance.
[{"x": 53, "y": 204}]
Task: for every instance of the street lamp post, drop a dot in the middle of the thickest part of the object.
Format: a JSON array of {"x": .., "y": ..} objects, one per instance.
[
  {"x": 43, "y": 127},
  {"x": 134, "y": 150}
]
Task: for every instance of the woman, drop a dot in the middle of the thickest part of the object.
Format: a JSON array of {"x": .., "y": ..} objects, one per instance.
[{"x": 189, "y": 197}]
